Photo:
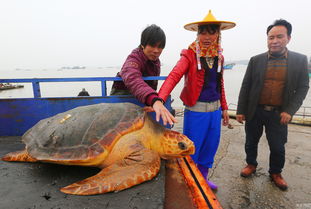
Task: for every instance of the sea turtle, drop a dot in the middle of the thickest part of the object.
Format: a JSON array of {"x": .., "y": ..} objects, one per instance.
[{"x": 120, "y": 138}]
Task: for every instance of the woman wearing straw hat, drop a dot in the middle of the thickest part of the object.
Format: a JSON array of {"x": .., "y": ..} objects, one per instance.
[{"x": 203, "y": 93}]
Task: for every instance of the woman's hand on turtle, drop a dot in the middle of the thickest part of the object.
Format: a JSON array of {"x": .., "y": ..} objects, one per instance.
[{"x": 162, "y": 112}]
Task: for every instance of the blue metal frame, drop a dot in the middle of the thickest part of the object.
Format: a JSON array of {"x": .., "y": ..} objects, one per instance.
[
  {"x": 17, "y": 115},
  {"x": 36, "y": 82}
]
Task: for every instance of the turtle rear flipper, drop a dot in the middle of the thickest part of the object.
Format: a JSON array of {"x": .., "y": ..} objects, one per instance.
[
  {"x": 118, "y": 177},
  {"x": 22, "y": 156}
]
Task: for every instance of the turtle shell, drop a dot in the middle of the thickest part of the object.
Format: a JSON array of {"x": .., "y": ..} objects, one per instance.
[{"x": 83, "y": 132}]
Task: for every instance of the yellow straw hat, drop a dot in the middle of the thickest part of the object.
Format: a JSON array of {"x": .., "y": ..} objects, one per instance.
[{"x": 209, "y": 19}]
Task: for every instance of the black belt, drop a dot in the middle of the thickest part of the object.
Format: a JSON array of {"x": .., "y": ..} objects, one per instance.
[{"x": 269, "y": 107}]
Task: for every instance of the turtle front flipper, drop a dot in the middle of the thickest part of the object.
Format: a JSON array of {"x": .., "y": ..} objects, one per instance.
[
  {"x": 19, "y": 156},
  {"x": 136, "y": 168}
]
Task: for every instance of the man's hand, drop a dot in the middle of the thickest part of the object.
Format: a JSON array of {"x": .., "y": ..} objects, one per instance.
[
  {"x": 240, "y": 118},
  {"x": 225, "y": 116},
  {"x": 162, "y": 112},
  {"x": 285, "y": 118}
]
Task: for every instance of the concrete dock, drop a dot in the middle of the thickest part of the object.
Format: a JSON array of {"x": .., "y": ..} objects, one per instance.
[
  {"x": 36, "y": 185},
  {"x": 258, "y": 192}
]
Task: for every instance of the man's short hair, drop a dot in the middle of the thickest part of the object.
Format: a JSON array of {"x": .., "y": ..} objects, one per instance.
[
  {"x": 281, "y": 22},
  {"x": 153, "y": 35}
]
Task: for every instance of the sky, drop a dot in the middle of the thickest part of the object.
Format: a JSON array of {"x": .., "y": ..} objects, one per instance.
[{"x": 99, "y": 33}]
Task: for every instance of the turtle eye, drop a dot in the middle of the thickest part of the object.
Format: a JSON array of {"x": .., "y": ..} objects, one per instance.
[{"x": 182, "y": 145}]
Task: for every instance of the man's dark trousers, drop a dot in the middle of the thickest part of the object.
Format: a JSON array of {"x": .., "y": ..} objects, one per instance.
[{"x": 276, "y": 134}]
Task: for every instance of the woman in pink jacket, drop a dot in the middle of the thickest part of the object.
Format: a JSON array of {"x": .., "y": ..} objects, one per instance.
[
  {"x": 203, "y": 94},
  {"x": 144, "y": 61}
]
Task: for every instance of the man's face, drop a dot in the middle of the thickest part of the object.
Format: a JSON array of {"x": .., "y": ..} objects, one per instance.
[
  {"x": 277, "y": 40},
  {"x": 152, "y": 52}
]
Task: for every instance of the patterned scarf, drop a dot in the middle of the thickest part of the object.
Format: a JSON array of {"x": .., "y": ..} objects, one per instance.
[{"x": 211, "y": 52}]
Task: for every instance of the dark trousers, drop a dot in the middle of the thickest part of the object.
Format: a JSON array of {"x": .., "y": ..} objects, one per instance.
[{"x": 276, "y": 134}]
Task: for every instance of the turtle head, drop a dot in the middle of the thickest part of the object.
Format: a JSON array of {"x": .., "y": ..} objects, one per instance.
[{"x": 175, "y": 144}]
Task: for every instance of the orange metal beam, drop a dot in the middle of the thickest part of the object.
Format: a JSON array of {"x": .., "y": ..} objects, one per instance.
[{"x": 202, "y": 194}]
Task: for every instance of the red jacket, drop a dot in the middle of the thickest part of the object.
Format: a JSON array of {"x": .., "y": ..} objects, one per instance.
[{"x": 194, "y": 80}]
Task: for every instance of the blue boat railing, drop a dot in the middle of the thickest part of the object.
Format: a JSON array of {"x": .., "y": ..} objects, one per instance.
[
  {"x": 17, "y": 115},
  {"x": 36, "y": 82}
]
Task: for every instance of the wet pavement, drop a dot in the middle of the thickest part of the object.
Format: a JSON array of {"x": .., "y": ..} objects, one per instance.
[{"x": 258, "y": 192}]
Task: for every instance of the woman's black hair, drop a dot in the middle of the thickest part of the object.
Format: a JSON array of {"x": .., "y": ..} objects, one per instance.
[
  {"x": 210, "y": 28},
  {"x": 153, "y": 35}
]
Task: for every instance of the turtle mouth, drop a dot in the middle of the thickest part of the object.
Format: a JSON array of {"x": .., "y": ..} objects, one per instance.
[
  {"x": 183, "y": 154},
  {"x": 167, "y": 157},
  {"x": 190, "y": 151}
]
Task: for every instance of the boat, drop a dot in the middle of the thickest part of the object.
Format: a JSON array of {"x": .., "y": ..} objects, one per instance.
[
  {"x": 180, "y": 180},
  {"x": 7, "y": 86},
  {"x": 229, "y": 66}
]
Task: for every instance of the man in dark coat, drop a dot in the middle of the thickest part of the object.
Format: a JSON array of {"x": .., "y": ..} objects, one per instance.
[{"x": 273, "y": 89}]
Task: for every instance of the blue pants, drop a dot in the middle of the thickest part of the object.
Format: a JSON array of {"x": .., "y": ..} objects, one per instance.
[
  {"x": 203, "y": 128},
  {"x": 276, "y": 134}
]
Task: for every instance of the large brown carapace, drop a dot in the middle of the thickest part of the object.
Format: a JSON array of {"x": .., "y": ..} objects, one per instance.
[{"x": 120, "y": 138}]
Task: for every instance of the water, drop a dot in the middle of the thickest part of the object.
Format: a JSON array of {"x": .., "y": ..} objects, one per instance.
[
  {"x": 57, "y": 89},
  {"x": 233, "y": 79}
]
